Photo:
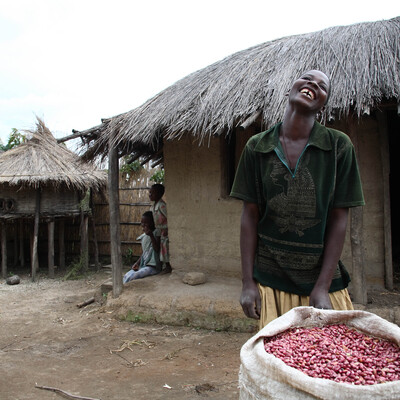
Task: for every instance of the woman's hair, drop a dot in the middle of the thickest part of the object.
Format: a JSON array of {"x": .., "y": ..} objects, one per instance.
[
  {"x": 148, "y": 214},
  {"x": 159, "y": 188}
]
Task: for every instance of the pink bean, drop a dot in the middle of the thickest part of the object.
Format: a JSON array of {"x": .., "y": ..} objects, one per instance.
[{"x": 337, "y": 352}]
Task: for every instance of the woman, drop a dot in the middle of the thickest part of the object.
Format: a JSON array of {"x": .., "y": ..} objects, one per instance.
[{"x": 297, "y": 181}]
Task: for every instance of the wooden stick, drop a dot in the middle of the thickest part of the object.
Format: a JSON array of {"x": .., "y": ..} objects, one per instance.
[
  {"x": 52, "y": 389},
  {"x": 249, "y": 121},
  {"x": 61, "y": 242},
  {"x": 86, "y": 302},
  {"x": 50, "y": 247},
  {"x": 35, "y": 258},
  {"x": 387, "y": 228}
]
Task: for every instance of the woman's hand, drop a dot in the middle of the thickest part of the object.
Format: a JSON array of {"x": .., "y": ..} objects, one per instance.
[
  {"x": 135, "y": 266},
  {"x": 320, "y": 299},
  {"x": 250, "y": 300},
  {"x": 335, "y": 234}
]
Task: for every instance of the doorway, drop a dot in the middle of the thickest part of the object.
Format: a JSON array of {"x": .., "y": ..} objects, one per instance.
[{"x": 393, "y": 120}]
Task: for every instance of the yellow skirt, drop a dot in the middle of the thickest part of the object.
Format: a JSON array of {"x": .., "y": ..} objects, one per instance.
[{"x": 274, "y": 302}]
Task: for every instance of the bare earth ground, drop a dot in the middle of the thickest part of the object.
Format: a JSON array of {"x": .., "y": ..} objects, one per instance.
[{"x": 45, "y": 339}]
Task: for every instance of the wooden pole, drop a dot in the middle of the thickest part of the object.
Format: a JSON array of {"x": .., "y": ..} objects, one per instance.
[
  {"x": 95, "y": 244},
  {"x": 115, "y": 229},
  {"x": 35, "y": 260},
  {"x": 84, "y": 241},
  {"x": 356, "y": 236},
  {"x": 61, "y": 243},
  {"x": 50, "y": 241},
  {"x": 15, "y": 253},
  {"x": 387, "y": 223},
  {"x": 357, "y": 252},
  {"x": 3, "y": 250},
  {"x": 21, "y": 243}
]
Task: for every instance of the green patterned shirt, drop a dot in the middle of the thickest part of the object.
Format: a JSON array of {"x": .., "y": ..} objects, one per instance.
[{"x": 295, "y": 205}]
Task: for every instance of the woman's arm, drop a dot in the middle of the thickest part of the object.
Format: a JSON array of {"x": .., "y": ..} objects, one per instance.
[
  {"x": 334, "y": 241},
  {"x": 155, "y": 241},
  {"x": 250, "y": 297},
  {"x": 135, "y": 266}
]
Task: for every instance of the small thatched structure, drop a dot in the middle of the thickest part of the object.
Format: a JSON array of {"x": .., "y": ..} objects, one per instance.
[
  {"x": 222, "y": 105},
  {"x": 42, "y": 180}
]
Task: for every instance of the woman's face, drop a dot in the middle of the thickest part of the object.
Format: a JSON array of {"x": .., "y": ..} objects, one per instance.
[
  {"x": 154, "y": 195},
  {"x": 147, "y": 224},
  {"x": 311, "y": 90}
]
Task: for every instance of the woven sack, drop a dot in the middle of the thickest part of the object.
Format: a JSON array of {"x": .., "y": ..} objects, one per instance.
[{"x": 264, "y": 376}]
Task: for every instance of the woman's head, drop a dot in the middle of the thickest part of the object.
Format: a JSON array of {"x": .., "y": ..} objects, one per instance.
[
  {"x": 311, "y": 89},
  {"x": 147, "y": 220},
  {"x": 156, "y": 192}
]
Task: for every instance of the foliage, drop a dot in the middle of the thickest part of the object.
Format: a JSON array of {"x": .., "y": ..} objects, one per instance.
[
  {"x": 14, "y": 139},
  {"x": 130, "y": 168},
  {"x": 77, "y": 269},
  {"x": 158, "y": 176},
  {"x": 129, "y": 257}
]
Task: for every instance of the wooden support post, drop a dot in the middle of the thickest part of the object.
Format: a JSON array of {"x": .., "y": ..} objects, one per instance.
[
  {"x": 387, "y": 223},
  {"x": 35, "y": 258},
  {"x": 357, "y": 252},
  {"x": 356, "y": 236},
  {"x": 61, "y": 243},
  {"x": 115, "y": 229},
  {"x": 3, "y": 250},
  {"x": 15, "y": 243},
  {"x": 84, "y": 241},
  {"x": 95, "y": 244},
  {"x": 21, "y": 243},
  {"x": 50, "y": 241}
]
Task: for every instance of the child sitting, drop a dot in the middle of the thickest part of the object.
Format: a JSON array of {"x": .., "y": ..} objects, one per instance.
[{"x": 149, "y": 262}]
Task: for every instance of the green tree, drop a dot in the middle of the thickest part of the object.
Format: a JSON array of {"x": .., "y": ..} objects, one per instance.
[
  {"x": 14, "y": 139},
  {"x": 158, "y": 176}
]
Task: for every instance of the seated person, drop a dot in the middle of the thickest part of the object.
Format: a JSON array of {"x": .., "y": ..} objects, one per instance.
[{"x": 149, "y": 262}]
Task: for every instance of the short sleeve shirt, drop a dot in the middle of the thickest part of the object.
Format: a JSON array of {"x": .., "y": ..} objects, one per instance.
[
  {"x": 149, "y": 256},
  {"x": 295, "y": 204}
]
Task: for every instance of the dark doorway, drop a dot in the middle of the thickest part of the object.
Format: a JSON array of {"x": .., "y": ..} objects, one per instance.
[{"x": 393, "y": 120}]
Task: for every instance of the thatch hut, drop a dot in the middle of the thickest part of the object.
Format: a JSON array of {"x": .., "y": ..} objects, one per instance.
[
  {"x": 42, "y": 181},
  {"x": 198, "y": 126}
]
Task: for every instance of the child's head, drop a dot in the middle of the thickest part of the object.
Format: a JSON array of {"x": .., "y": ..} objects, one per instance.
[
  {"x": 156, "y": 192},
  {"x": 147, "y": 220}
]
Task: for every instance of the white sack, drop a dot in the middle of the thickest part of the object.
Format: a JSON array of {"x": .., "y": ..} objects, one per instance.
[{"x": 264, "y": 376}]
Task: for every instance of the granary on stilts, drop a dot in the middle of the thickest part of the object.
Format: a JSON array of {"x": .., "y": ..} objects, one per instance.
[
  {"x": 42, "y": 183},
  {"x": 198, "y": 127}
]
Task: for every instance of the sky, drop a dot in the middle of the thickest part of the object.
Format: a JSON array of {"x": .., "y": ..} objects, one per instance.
[{"x": 73, "y": 62}]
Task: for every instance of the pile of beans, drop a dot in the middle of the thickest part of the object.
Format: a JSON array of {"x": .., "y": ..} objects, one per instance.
[{"x": 337, "y": 352}]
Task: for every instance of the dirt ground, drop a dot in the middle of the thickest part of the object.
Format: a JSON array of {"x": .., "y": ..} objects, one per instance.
[{"x": 47, "y": 340}]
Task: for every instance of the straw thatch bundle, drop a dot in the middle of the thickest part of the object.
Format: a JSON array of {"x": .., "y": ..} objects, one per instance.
[
  {"x": 42, "y": 161},
  {"x": 362, "y": 61}
]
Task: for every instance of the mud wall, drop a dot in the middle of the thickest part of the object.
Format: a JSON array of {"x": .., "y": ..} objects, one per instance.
[{"x": 204, "y": 222}]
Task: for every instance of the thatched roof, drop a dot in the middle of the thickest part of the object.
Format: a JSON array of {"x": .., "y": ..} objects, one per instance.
[
  {"x": 42, "y": 161},
  {"x": 362, "y": 60}
]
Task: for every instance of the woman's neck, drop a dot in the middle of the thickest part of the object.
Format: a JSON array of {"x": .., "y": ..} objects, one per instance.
[{"x": 297, "y": 126}]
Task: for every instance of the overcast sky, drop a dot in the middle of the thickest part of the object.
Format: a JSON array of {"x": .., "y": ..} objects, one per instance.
[{"x": 73, "y": 62}]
